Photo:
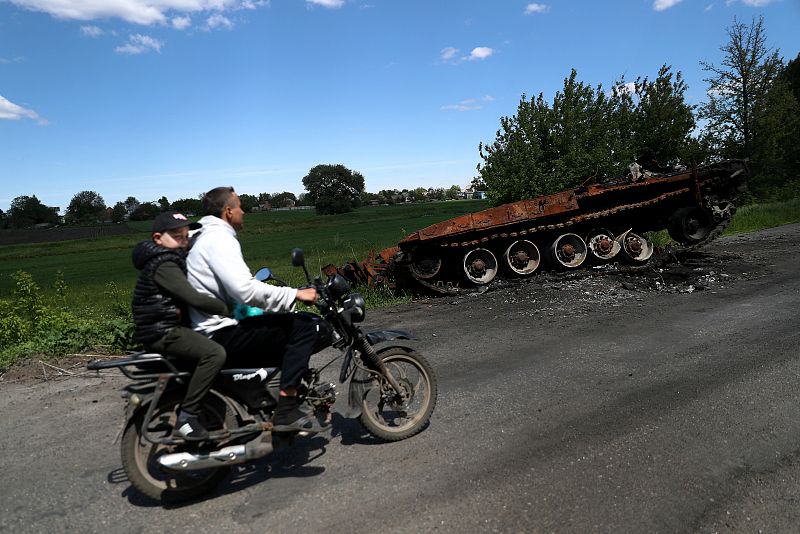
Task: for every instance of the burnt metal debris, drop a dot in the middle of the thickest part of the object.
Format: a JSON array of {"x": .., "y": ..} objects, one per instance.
[{"x": 588, "y": 225}]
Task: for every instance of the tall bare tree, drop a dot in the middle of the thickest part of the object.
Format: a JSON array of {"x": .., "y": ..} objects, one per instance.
[{"x": 738, "y": 88}]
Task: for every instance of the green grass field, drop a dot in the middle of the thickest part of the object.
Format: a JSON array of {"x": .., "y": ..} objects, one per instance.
[{"x": 268, "y": 238}]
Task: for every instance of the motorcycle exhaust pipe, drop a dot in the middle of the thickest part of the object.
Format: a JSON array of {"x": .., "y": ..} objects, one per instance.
[{"x": 232, "y": 455}]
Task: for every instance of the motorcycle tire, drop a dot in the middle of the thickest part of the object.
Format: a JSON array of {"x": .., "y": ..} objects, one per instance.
[
  {"x": 388, "y": 420},
  {"x": 139, "y": 456}
]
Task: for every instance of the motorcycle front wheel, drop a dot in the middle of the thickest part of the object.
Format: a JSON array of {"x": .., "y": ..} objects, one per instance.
[
  {"x": 140, "y": 457},
  {"x": 386, "y": 417}
]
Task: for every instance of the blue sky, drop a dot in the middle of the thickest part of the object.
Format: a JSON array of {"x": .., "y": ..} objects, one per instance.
[{"x": 174, "y": 97}]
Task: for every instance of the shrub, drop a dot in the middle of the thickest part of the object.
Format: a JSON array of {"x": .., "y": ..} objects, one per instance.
[{"x": 35, "y": 323}]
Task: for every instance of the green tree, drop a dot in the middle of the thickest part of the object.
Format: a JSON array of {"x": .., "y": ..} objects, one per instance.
[
  {"x": 283, "y": 200},
  {"x": 586, "y": 133},
  {"x": 28, "y": 210},
  {"x": 662, "y": 120},
  {"x": 163, "y": 204},
  {"x": 453, "y": 192},
  {"x": 544, "y": 148},
  {"x": 188, "y": 206},
  {"x": 130, "y": 204},
  {"x": 752, "y": 111},
  {"x": 145, "y": 211},
  {"x": 85, "y": 207},
  {"x": 791, "y": 75},
  {"x": 334, "y": 188},
  {"x": 248, "y": 202},
  {"x": 118, "y": 212}
]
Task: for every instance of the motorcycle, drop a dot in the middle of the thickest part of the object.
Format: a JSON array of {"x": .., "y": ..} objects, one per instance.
[{"x": 391, "y": 389}]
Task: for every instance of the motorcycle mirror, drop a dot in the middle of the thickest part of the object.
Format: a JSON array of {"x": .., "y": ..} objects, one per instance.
[
  {"x": 298, "y": 258},
  {"x": 263, "y": 274}
]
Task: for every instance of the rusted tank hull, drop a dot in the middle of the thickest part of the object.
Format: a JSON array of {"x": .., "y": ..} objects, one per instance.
[{"x": 565, "y": 230}]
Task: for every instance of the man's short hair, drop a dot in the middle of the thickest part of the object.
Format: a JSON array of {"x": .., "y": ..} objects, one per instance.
[{"x": 216, "y": 200}]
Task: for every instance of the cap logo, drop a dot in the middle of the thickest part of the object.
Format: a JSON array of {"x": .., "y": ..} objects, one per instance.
[{"x": 178, "y": 216}]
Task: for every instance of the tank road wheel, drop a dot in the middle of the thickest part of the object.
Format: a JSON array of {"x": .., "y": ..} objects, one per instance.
[
  {"x": 636, "y": 248},
  {"x": 568, "y": 250},
  {"x": 425, "y": 264},
  {"x": 480, "y": 266},
  {"x": 688, "y": 226},
  {"x": 602, "y": 245},
  {"x": 522, "y": 257}
]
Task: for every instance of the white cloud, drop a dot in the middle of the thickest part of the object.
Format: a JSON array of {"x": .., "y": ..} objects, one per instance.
[
  {"x": 627, "y": 88},
  {"x": 470, "y": 104},
  {"x": 757, "y": 3},
  {"x": 14, "y": 112},
  {"x": 531, "y": 9},
  {"x": 139, "y": 44},
  {"x": 92, "y": 31},
  {"x": 662, "y": 5},
  {"x": 480, "y": 52},
  {"x": 146, "y": 12},
  {"x": 448, "y": 54},
  {"x": 330, "y": 4},
  {"x": 218, "y": 20},
  {"x": 181, "y": 23},
  {"x": 708, "y": 8}
]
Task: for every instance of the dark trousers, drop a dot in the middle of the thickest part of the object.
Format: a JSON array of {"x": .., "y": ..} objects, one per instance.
[
  {"x": 284, "y": 340},
  {"x": 187, "y": 344}
]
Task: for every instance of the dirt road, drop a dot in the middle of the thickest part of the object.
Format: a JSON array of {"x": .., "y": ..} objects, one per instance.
[{"x": 602, "y": 401}]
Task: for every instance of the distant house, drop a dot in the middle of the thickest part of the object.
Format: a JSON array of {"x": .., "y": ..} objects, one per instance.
[{"x": 470, "y": 193}]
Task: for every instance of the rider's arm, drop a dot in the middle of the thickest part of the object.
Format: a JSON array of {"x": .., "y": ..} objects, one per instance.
[
  {"x": 224, "y": 265},
  {"x": 171, "y": 279}
]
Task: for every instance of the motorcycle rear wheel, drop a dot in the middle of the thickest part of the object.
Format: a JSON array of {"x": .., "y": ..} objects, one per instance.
[
  {"x": 388, "y": 420},
  {"x": 140, "y": 457}
]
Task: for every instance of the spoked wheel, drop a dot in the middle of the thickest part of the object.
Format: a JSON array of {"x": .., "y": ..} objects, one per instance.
[
  {"x": 480, "y": 266},
  {"x": 602, "y": 245},
  {"x": 140, "y": 457},
  {"x": 391, "y": 417},
  {"x": 522, "y": 257},
  {"x": 688, "y": 226},
  {"x": 426, "y": 264},
  {"x": 568, "y": 251},
  {"x": 636, "y": 248}
]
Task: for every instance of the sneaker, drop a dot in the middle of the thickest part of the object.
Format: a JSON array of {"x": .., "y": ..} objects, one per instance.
[
  {"x": 189, "y": 428},
  {"x": 290, "y": 418}
]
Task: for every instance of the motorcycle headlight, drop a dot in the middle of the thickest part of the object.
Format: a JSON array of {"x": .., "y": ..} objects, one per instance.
[
  {"x": 338, "y": 286},
  {"x": 354, "y": 304}
]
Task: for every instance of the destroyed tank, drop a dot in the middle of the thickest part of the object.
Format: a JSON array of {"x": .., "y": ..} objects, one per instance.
[{"x": 587, "y": 225}]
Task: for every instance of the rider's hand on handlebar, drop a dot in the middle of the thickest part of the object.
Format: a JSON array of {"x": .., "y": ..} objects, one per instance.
[{"x": 307, "y": 295}]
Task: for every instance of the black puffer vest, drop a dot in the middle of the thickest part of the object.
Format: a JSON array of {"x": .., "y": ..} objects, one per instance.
[{"x": 153, "y": 312}]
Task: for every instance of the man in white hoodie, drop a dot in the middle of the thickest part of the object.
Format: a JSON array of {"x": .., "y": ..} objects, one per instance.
[{"x": 276, "y": 338}]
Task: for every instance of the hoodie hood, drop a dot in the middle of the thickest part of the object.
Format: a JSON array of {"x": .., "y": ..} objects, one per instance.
[{"x": 145, "y": 251}]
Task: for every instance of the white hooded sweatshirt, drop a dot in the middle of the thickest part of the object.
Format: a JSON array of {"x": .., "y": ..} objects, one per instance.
[{"x": 216, "y": 267}]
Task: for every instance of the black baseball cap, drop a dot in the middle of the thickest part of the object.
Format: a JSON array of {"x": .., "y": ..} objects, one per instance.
[{"x": 170, "y": 220}]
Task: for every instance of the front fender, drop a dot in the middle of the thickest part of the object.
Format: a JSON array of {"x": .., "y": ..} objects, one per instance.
[
  {"x": 379, "y": 336},
  {"x": 362, "y": 383}
]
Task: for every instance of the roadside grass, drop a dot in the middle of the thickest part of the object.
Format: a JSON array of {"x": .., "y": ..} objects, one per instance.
[{"x": 63, "y": 297}]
